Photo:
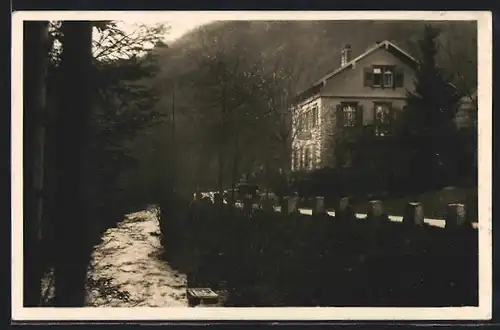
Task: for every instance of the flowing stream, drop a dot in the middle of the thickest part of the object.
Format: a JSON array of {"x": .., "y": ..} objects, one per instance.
[
  {"x": 128, "y": 260},
  {"x": 126, "y": 269}
]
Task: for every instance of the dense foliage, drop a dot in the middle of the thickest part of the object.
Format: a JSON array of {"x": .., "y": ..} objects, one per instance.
[
  {"x": 278, "y": 260},
  {"x": 428, "y": 128}
]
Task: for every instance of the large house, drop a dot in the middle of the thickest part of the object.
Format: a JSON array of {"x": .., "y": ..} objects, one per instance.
[{"x": 363, "y": 94}]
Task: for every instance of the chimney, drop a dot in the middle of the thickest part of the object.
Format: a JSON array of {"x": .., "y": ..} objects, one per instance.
[{"x": 345, "y": 55}]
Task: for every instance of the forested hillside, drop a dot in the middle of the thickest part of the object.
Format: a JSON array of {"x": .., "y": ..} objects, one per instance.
[{"x": 317, "y": 44}]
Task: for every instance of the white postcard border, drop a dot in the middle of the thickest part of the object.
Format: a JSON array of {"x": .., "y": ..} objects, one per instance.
[{"x": 483, "y": 312}]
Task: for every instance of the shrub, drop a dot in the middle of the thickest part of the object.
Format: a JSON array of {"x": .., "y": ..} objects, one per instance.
[{"x": 309, "y": 261}]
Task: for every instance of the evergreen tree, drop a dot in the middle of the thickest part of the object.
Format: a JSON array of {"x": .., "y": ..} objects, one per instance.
[{"x": 428, "y": 127}]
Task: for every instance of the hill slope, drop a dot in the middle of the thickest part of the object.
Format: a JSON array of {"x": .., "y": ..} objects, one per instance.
[{"x": 317, "y": 44}]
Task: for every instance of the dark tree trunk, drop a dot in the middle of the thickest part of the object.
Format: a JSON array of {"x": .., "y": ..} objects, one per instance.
[
  {"x": 221, "y": 164},
  {"x": 34, "y": 73},
  {"x": 72, "y": 126},
  {"x": 222, "y": 139},
  {"x": 235, "y": 166}
]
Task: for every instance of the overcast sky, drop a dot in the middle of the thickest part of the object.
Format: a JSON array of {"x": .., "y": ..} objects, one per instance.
[{"x": 177, "y": 28}]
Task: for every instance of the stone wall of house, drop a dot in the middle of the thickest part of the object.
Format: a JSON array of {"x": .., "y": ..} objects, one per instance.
[
  {"x": 328, "y": 132},
  {"x": 330, "y": 128},
  {"x": 312, "y": 141}
]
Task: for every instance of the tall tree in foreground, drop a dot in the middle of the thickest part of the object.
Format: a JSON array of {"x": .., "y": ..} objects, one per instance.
[
  {"x": 428, "y": 128},
  {"x": 72, "y": 130},
  {"x": 35, "y": 67},
  {"x": 88, "y": 145}
]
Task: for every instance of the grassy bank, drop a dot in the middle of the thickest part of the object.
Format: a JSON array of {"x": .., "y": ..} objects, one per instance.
[{"x": 278, "y": 260}]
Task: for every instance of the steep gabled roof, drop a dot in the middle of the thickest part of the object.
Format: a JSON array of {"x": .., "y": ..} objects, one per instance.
[{"x": 378, "y": 45}]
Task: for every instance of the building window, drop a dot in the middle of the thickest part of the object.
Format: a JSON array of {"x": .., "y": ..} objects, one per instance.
[
  {"x": 308, "y": 119},
  {"x": 384, "y": 76},
  {"x": 307, "y": 159},
  {"x": 303, "y": 124},
  {"x": 314, "y": 159},
  {"x": 382, "y": 119},
  {"x": 349, "y": 114},
  {"x": 377, "y": 77},
  {"x": 388, "y": 77},
  {"x": 315, "y": 119},
  {"x": 309, "y": 122}
]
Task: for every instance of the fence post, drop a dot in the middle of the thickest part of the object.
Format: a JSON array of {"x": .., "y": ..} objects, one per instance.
[
  {"x": 218, "y": 200},
  {"x": 376, "y": 211},
  {"x": 267, "y": 205},
  {"x": 456, "y": 216},
  {"x": 319, "y": 206},
  {"x": 414, "y": 214},
  {"x": 345, "y": 210},
  {"x": 289, "y": 205},
  {"x": 247, "y": 205},
  {"x": 284, "y": 204}
]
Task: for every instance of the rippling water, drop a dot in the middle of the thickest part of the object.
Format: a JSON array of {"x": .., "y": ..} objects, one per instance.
[
  {"x": 127, "y": 261},
  {"x": 128, "y": 256}
]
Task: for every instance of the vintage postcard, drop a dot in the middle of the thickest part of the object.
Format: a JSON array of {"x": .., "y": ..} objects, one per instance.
[{"x": 272, "y": 166}]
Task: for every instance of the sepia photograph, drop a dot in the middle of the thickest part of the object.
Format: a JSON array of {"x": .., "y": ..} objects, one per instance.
[{"x": 251, "y": 165}]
